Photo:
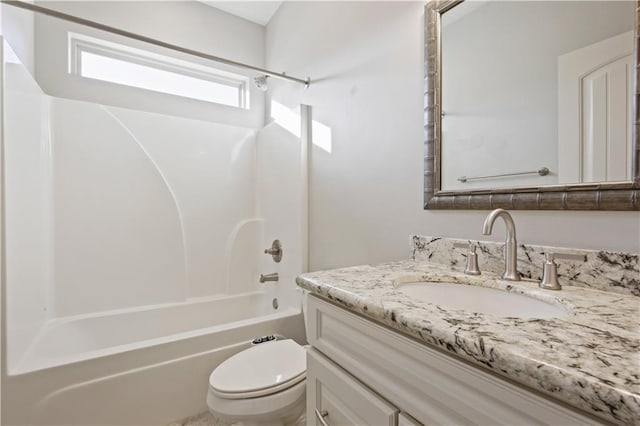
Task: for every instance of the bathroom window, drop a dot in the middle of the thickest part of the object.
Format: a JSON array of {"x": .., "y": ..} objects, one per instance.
[{"x": 115, "y": 63}]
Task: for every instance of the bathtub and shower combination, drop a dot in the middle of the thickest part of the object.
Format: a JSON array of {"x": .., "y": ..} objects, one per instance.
[{"x": 132, "y": 261}]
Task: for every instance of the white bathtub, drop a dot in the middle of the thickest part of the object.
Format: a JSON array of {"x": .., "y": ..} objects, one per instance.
[{"x": 144, "y": 367}]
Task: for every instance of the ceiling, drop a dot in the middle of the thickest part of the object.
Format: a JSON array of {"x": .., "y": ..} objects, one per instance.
[{"x": 259, "y": 12}]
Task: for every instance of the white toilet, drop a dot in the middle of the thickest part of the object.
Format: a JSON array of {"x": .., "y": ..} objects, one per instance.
[{"x": 262, "y": 385}]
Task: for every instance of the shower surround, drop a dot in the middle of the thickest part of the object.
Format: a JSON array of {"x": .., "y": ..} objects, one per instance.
[{"x": 134, "y": 244}]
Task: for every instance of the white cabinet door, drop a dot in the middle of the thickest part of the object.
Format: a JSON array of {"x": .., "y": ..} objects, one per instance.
[{"x": 335, "y": 398}]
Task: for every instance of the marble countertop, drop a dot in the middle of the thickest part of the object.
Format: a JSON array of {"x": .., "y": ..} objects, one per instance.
[{"x": 589, "y": 359}]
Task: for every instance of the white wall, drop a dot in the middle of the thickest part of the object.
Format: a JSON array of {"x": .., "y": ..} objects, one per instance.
[
  {"x": 500, "y": 100},
  {"x": 366, "y": 194},
  {"x": 18, "y": 28},
  {"x": 189, "y": 24}
]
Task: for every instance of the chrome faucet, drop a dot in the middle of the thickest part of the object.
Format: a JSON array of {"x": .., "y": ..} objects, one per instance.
[{"x": 510, "y": 245}]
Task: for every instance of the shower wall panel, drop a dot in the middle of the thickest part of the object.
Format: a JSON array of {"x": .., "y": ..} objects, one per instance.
[
  {"x": 28, "y": 234},
  {"x": 144, "y": 205},
  {"x": 280, "y": 202},
  {"x": 118, "y": 238},
  {"x": 111, "y": 208},
  {"x": 210, "y": 169}
]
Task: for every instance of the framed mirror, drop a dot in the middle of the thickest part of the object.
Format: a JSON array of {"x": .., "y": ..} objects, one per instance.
[{"x": 531, "y": 105}]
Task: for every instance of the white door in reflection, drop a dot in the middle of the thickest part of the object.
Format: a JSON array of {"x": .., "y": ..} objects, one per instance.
[{"x": 595, "y": 93}]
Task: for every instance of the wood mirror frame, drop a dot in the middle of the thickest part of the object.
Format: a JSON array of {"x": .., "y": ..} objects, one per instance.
[{"x": 581, "y": 196}]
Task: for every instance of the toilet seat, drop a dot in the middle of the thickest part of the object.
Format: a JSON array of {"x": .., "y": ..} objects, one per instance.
[
  {"x": 262, "y": 392},
  {"x": 262, "y": 370}
]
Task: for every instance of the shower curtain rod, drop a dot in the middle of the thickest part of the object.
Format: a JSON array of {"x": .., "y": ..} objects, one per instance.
[{"x": 113, "y": 30}]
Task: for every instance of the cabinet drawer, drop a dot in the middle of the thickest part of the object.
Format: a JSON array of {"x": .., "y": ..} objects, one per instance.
[{"x": 340, "y": 399}]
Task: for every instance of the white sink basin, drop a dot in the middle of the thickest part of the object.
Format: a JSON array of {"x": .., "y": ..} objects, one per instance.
[{"x": 483, "y": 300}]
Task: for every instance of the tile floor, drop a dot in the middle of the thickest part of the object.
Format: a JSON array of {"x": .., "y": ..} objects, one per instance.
[
  {"x": 202, "y": 419},
  {"x": 206, "y": 419}
]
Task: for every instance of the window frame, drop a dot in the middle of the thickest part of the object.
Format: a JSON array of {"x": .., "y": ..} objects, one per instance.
[{"x": 80, "y": 43}]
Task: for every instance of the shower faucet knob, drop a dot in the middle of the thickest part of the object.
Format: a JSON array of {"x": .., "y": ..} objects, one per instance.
[{"x": 275, "y": 251}]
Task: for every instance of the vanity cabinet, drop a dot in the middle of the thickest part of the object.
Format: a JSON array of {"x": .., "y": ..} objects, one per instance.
[{"x": 360, "y": 372}]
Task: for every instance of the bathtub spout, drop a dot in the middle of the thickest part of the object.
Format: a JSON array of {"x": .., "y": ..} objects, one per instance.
[{"x": 269, "y": 277}]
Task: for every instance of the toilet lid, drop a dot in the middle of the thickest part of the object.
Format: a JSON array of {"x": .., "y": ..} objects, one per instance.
[{"x": 278, "y": 364}]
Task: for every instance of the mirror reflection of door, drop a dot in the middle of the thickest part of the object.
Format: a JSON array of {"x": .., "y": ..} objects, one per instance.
[{"x": 595, "y": 93}]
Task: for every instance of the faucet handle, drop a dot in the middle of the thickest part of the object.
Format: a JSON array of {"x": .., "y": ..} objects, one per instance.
[
  {"x": 275, "y": 251},
  {"x": 550, "y": 269},
  {"x": 472, "y": 258}
]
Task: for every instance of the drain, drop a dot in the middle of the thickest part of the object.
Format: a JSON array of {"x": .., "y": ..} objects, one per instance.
[{"x": 274, "y": 303}]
